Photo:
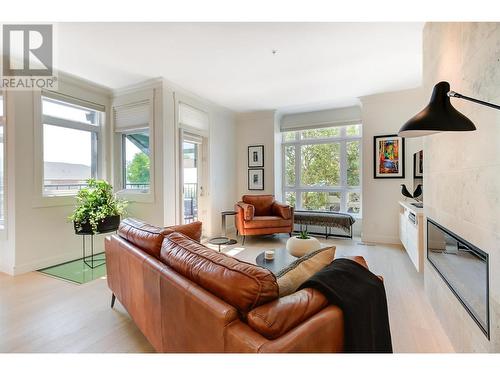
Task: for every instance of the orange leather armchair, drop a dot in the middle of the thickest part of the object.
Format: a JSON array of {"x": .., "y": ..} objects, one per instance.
[{"x": 261, "y": 214}]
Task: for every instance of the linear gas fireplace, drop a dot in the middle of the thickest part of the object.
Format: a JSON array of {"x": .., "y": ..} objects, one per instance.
[{"x": 464, "y": 268}]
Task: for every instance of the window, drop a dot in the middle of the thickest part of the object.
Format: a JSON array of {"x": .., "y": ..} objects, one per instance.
[
  {"x": 137, "y": 162},
  {"x": 70, "y": 145},
  {"x": 2, "y": 158},
  {"x": 322, "y": 169},
  {"x": 133, "y": 127}
]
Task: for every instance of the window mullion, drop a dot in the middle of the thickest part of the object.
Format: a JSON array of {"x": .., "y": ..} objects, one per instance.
[
  {"x": 343, "y": 175},
  {"x": 298, "y": 177}
]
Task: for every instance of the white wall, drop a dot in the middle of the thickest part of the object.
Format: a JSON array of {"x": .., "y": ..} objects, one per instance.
[
  {"x": 461, "y": 170},
  {"x": 256, "y": 128},
  {"x": 223, "y": 174},
  {"x": 38, "y": 232},
  {"x": 384, "y": 114}
]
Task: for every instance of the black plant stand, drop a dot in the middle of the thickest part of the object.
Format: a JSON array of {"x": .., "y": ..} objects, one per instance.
[
  {"x": 108, "y": 225},
  {"x": 93, "y": 262}
]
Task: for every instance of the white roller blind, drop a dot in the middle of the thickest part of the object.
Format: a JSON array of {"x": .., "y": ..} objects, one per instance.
[
  {"x": 321, "y": 119},
  {"x": 132, "y": 116},
  {"x": 75, "y": 101},
  {"x": 193, "y": 118}
]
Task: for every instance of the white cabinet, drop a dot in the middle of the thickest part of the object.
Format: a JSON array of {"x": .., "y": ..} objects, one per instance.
[{"x": 411, "y": 233}]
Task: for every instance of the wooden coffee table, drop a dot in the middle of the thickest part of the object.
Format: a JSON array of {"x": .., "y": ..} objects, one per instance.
[{"x": 282, "y": 259}]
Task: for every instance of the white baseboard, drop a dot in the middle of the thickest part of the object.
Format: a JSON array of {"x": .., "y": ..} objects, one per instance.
[{"x": 47, "y": 262}]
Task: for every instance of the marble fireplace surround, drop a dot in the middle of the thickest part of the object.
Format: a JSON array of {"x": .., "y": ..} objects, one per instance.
[{"x": 462, "y": 169}]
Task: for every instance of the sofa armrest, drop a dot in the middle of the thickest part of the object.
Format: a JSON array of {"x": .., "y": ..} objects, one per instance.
[
  {"x": 191, "y": 230},
  {"x": 276, "y": 318},
  {"x": 248, "y": 210},
  {"x": 282, "y": 210}
]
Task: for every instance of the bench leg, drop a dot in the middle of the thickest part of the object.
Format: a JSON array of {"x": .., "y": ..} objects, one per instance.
[{"x": 113, "y": 299}]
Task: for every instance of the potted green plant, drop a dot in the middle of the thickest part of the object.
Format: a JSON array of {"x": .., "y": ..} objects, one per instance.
[
  {"x": 302, "y": 244},
  {"x": 98, "y": 210}
]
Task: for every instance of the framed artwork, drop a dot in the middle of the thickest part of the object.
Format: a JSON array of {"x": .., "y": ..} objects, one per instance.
[
  {"x": 256, "y": 179},
  {"x": 418, "y": 164},
  {"x": 388, "y": 156},
  {"x": 256, "y": 156}
]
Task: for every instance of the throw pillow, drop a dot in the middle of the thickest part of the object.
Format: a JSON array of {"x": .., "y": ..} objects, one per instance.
[{"x": 290, "y": 278}]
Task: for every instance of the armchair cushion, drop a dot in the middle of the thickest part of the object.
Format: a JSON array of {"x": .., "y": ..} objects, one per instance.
[
  {"x": 266, "y": 222},
  {"x": 263, "y": 204},
  {"x": 282, "y": 210},
  {"x": 276, "y": 318},
  {"x": 248, "y": 211}
]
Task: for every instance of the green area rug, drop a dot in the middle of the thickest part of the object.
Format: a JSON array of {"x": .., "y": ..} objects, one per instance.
[{"x": 77, "y": 271}]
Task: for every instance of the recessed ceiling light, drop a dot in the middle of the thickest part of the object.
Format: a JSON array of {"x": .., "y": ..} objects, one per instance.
[{"x": 274, "y": 51}]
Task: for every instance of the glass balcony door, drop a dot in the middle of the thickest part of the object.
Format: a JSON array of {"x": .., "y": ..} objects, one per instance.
[{"x": 191, "y": 176}]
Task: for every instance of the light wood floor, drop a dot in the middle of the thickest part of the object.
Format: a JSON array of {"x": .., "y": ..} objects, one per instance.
[{"x": 42, "y": 314}]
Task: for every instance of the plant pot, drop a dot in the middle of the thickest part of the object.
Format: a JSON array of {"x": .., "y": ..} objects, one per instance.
[
  {"x": 299, "y": 247},
  {"x": 109, "y": 224}
]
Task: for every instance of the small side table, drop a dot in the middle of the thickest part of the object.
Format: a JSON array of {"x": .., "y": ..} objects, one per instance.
[
  {"x": 282, "y": 259},
  {"x": 219, "y": 241},
  {"x": 224, "y": 228}
]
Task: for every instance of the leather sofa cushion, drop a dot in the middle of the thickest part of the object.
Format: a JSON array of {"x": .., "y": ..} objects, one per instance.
[
  {"x": 293, "y": 276},
  {"x": 276, "y": 318},
  {"x": 145, "y": 236},
  {"x": 149, "y": 237},
  {"x": 263, "y": 203},
  {"x": 266, "y": 222},
  {"x": 191, "y": 230},
  {"x": 242, "y": 285}
]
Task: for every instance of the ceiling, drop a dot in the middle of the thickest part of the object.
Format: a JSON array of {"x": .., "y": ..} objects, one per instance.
[{"x": 316, "y": 65}]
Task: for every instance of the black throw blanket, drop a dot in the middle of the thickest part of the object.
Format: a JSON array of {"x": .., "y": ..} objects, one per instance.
[{"x": 361, "y": 296}]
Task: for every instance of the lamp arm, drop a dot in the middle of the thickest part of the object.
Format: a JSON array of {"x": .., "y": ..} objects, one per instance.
[{"x": 454, "y": 94}]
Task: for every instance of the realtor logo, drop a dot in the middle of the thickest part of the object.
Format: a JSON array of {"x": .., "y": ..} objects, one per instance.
[{"x": 27, "y": 57}]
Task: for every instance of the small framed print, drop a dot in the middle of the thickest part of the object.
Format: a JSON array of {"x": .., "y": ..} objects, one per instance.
[
  {"x": 255, "y": 156},
  {"x": 388, "y": 156},
  {"x": 418, "y": 164},
  {"x": 256, "y": 179}
]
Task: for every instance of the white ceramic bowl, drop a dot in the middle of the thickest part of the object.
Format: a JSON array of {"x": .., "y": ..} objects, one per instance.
[{"x": 299, "y": 247}]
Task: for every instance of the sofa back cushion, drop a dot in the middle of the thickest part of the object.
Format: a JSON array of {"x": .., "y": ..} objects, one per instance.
[
  {"x": 145, "y": 236},
  {"x": 191, "y": 230},
  {"x": 149, "y": 237},
  {"x": 242, "y": 285},
  {"x": 263, "y": 204}
]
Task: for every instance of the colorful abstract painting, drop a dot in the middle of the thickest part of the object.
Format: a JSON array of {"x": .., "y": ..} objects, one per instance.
[{"x": 388, "y": 156}]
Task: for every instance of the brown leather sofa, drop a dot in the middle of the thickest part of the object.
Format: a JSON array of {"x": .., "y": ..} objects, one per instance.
[
  {"x": 185, "y": 297},
  {"x": 261, "y": 214}
]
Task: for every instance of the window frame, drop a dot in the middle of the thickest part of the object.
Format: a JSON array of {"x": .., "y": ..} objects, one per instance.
[
  {"x": 123, "y": 161},
  {"x": 130, "y": 99},
  {"x": 298, "y": 188},
  {"x": 94, "y": 129},
  {"x": 3, "y": 125}
]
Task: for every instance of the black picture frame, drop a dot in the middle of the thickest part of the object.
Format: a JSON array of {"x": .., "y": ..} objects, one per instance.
[
  {"x": 401, "y": 161},
  {"x": 417, "y": 171},
  {"x": 250, "y": 177},
  {"x": 254, "y": 161}
]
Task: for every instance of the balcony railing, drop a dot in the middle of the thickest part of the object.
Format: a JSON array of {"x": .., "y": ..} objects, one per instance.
[{"x": 190, "y": 202}]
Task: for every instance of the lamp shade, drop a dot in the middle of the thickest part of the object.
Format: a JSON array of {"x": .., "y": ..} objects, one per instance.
[{"x": 438, "y": 116}]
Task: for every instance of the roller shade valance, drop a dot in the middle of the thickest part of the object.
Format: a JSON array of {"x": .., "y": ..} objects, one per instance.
[
  {"x": 193, "y": 118},
  {"x": 72, "y": 100},
  {"x": 321, "y": 119},
  {"x": 132, "y": 116}
]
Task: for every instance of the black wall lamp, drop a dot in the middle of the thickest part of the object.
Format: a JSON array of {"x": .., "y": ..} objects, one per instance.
[{"x": 439, "y": 115}]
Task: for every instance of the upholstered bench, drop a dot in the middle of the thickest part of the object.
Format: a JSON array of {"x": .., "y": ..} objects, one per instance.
[{"x": 325, "y": 219}]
